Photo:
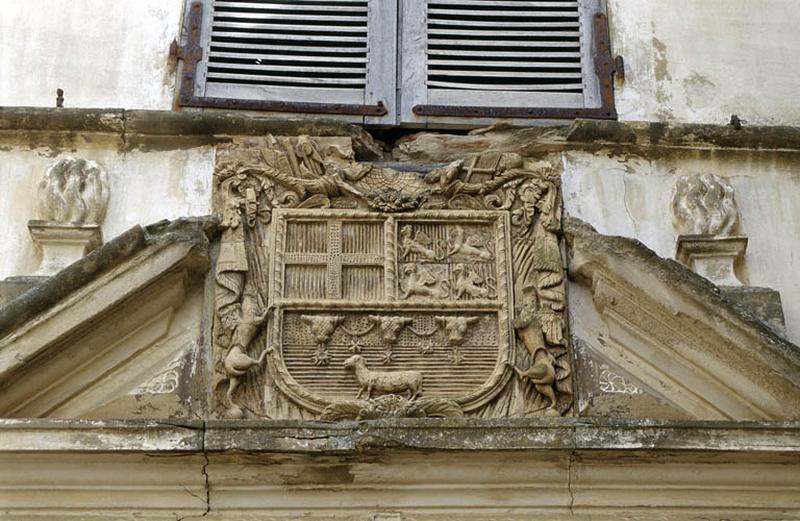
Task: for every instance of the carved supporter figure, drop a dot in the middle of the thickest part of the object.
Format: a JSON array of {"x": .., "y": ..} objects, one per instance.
[
  {"x": 543, "y": 372},
  {"x": 73, "y": 191},
  {"x": 237, "y": 362}
]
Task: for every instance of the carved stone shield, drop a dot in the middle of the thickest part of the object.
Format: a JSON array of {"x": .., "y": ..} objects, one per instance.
[
  {"x": 366, "y": 298},
  {"x": 349, "y": 290}
]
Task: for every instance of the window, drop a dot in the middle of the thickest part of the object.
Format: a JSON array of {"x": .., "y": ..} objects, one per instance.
[{"x": 414, "y": 62}]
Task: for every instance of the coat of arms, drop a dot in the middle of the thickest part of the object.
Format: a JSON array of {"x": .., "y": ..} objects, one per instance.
[{"x": 346, "y": 290}]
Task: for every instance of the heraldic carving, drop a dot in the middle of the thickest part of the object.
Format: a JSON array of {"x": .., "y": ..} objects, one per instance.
[{"x": 349, "y": 290}]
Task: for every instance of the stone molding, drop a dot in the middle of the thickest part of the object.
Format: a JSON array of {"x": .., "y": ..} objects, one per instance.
[
  {"x": 561, "y": 469},
  {"x": 129, "y": 293},
  {"x": 126, "y": 125},
  {"x": 441, "y": 434},
  {"x": 62, "y": 244},
  {"x": 671, "y": 329},
  {"x": 712, "y": 257}
]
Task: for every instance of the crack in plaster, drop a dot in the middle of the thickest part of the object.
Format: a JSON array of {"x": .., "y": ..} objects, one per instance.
[
  {"x": 570, "y": 466},
  {"x": 206, "y": 486}
]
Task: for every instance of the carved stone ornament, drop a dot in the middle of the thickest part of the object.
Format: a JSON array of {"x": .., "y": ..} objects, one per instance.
[
  {"x": 73, "y": 191},
  {"x": 348, "y": 290},
  {"x": 72, "y": 201},
  {"x": 706, "y": 217}
]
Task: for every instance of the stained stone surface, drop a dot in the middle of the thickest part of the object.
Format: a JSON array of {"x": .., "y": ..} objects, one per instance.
[
  {"x": 763, "y": 303},
  {"x": 13, "y": 287}
]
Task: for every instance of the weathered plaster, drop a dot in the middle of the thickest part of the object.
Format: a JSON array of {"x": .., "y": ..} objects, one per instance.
[
  {"x": 693, "y": 61},
  {"x": 103, "y": 54},
  {"x": 685, "y": 60}
]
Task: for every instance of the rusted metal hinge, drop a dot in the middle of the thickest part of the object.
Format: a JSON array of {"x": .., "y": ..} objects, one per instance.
[
  {"x": 605, "y": 67},
  {"x": 192, "y": 54}
]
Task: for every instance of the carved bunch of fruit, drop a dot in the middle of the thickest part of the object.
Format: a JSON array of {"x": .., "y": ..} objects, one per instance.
[
  {"x": 456, "y": 328},
  {"x": 237, "y": 362},
  {"x": 74, "y": 191},
  {"x": 322, "y": 328},
  {"x": 390, "y": 328},
  {"x": 383, "y": 382}
]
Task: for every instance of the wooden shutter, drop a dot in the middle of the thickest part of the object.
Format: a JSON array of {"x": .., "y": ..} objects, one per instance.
[
  {"x": 300, "y": 52},
  {"x": 497, "y": 53}
]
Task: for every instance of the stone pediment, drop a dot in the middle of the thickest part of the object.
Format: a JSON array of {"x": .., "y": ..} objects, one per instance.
[
  {"x": 114, "y": 334},
  {"x": 673, "y": 335},
  {"x": 337, "y": 290}
]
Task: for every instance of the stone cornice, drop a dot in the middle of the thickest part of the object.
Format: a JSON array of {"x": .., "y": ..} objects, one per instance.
[
  {"x": 564, "y": 434},
  {"x": 139, "y": 127}
]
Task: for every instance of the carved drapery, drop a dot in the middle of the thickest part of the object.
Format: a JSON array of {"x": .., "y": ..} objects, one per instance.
[{"x": 352, "y": 290}]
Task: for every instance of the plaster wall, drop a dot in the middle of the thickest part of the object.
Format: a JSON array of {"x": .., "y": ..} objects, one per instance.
[
  {"x": 686, "y": 60},
  {"x": 103, "y": 53},
  {"x": 146, "y": 186},
  {"x": 630, "y": 196},
  {"x": 690, "y": 61}
]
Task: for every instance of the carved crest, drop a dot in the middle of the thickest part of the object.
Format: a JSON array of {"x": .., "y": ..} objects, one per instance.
[
  {"x": 346, "y": 285},
  {"x": 394, "y": 294}
]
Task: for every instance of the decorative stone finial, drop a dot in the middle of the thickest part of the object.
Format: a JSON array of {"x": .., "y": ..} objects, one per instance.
[
  {"x": 705, "y": 214},
  {"x": 73, "y": 198},
  {"x": 704, "y": 205},
  {"x": 73, "y": 191}
]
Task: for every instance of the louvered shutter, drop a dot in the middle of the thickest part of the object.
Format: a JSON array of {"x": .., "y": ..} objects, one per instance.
[
  {"x": 496, "y": 53},
  {"x": 301, "y": 51}
]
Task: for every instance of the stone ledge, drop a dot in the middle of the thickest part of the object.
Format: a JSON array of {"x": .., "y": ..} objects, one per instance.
[
  {"x": 38, "y": 435},
  {"x": 164, "y": 129},
  {"x": 127, "y": 123}
]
